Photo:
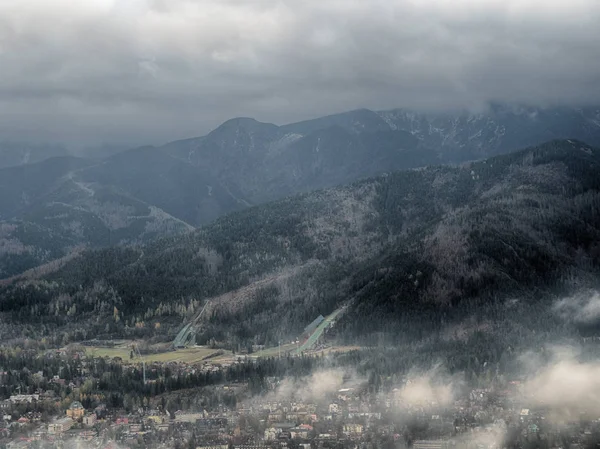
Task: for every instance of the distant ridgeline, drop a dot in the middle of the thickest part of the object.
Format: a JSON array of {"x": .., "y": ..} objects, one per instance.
[
  {"x": 52, "y": 204},
  {"x": 440, "y": 252}
]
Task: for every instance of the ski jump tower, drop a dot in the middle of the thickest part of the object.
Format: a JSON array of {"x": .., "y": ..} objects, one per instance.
[{"x": 187, "y": 335}]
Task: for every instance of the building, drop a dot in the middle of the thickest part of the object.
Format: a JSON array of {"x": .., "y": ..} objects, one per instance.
[
  {"x": 191, "y": 418},
  {"x": 164, "y": 427},
  {"x": 249, "y": 446},
  {"x": 23, "y": 421},
  {"x": 156, "y": 418},
  {"x": 76, "y": 410},
  {"x": 60, "y": 426},
  {"x": 430, "y": 444},
  {"x": 353, "y": 429},
  {"x": 271, "y": 434},
  {"x": 87, "y": 435},
  {"x": 24, "y": 398},
  {"x": 301, "y": 432},
  {"x": 89, "y": 420},
  {"x": 275, "y": 416}
]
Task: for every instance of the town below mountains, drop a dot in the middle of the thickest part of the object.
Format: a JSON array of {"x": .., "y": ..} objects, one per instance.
[
  {"x": 375, "y": 279},
  {"x": 284, "y": 403}
]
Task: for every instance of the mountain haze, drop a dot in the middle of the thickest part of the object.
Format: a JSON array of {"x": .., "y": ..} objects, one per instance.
[
  {"x": 407, "y": 252},
  {"x": 15, "y": 153},
  {"x": 262, "y": 162},
  {"x": 50, "y": 207}
]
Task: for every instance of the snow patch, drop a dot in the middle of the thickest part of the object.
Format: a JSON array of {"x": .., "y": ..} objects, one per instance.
[
  {"x": 476, "y": 135},
  {"x": 283, "y": 142}
]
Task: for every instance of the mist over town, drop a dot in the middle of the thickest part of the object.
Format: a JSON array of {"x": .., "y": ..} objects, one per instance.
[{"x": 276, "y": 224}]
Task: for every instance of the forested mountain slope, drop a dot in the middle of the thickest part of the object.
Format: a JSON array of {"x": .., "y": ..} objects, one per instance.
[
  {"x": 500, "y": 129},
  {"x": 49, "y": 208},
  {"x": 408, "y": 252},
  {"x": 261, "y": 161}
]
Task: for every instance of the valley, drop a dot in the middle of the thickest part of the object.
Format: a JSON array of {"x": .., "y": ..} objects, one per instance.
[
  {"x": 311, "y": 342},
  {"x": 431, "y": 306},
  {"x": 281, "y": 224},
  {"x": 409, "y": 247}
]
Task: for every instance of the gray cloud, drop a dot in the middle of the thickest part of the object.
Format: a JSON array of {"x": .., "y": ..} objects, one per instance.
[
  {"x": 583, "y": 308},
  {"x": 108, "y": 70},
  {"x": 565, "y": 383},
  {"x": 317, "y": 387},
  {"x": 430, "y": 389}
]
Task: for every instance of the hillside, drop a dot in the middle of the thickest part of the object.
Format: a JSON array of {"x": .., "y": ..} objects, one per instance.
[
  {"x": 15, "y": 153},
  {"x": 50, "y": 208},
  {"x": 262, "y": 161},
  {"x": 501, "y": 129},
  {"x": 408, "y": 252}
]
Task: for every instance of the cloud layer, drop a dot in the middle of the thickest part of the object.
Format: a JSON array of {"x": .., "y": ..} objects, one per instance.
[
  {"x": 428, "y": 389},
  {"x": 582, "y": 308},
  {"x": 110, "y": 70},
  {"x": 566, "y": 384}
]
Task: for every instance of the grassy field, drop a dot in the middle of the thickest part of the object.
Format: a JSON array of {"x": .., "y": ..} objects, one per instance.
[
  {"x": 189, "y": 355},
  {"x": 274, "y": 351},
  {"x": 196, "y": 354}
]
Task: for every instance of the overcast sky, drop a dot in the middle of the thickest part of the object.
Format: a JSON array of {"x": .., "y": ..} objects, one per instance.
[{"x": 148, "y": 71}]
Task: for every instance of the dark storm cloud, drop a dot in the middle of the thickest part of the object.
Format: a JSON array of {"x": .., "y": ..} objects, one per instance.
[{"x": 159, "y": 69}]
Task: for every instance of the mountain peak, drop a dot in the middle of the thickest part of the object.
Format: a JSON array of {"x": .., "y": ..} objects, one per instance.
[
  {"x": 246, "y": 123},
  {"x": 241, "y": 121}
]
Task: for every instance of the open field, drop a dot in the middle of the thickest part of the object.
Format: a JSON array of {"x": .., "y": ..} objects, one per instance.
[
  {"x": 189, "y": 355},
  {"x": 197, "y": 354},
  {"x": 274, "y": 351}
]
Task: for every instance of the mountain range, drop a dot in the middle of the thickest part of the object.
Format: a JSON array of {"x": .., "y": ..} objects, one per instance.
[
  {"x": 19, "y": 153},
  {"x": 263, "y": 162},
  {"x": 52, "y": 207},
  {"x": 408, "y": 253}
]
